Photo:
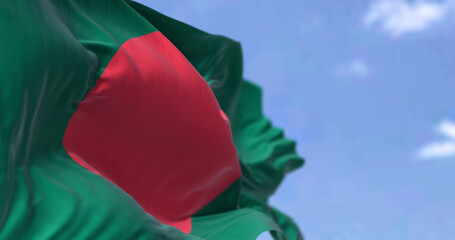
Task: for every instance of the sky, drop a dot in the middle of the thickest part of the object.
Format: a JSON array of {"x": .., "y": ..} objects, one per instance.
[{"x": 366, "y": 88}]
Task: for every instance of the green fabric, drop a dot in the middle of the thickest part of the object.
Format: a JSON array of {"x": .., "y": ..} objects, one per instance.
[
  {"x": 243, "y": 223},
  {"x": 263, "y": 149},
  {"x": 53, "y": 51},
  {"x": 265, "y": 155}
]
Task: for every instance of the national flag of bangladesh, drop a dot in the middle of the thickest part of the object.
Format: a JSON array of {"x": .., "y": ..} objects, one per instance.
[{"x": 118, "y": 122}]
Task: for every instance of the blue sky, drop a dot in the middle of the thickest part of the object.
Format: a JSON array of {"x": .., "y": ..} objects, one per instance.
[{"x": 366, "y": 88}]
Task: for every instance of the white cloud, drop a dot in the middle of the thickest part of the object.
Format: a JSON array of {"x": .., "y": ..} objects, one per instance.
[
  {"x": 447, "y": 128},
  {"x": 397, "y": 17},
  {"x": 440, "y": 149},
  {"x": 354, "y": 68}
]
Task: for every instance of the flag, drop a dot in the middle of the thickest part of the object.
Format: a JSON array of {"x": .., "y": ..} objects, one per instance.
[{"x": 118, "y": 122}]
